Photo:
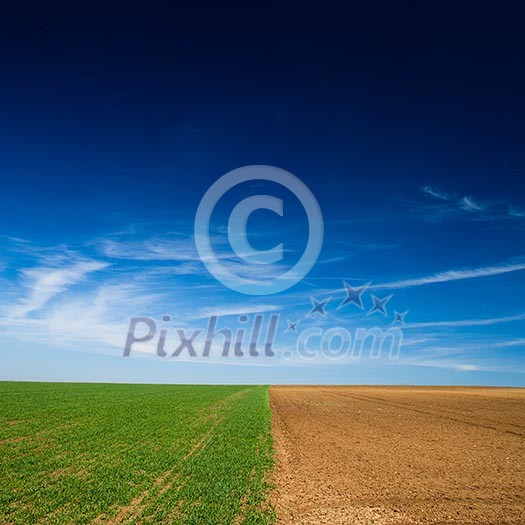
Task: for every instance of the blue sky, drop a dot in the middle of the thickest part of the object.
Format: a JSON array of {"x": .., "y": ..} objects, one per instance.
[{"x": 110, "y": 138}]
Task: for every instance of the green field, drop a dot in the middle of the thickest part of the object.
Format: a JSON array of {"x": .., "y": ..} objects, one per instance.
[{"x": 96, "y": 453}]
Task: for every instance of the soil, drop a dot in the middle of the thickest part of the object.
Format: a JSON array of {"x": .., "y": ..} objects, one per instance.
[{"x": 401, "y": 455}]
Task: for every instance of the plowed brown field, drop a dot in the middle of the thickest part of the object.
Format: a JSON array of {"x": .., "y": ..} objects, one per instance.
[{"x": 399, "y": 455}]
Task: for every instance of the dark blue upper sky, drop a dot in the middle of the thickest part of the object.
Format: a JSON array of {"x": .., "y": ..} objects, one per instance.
[{"x": 406, "y": 122}]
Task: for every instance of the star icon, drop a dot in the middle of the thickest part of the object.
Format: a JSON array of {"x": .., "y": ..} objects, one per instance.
[
  {"x": 292, "y": 327},
  {"x": 399, "y": 318},
  {"x": 379, "y": 305},
  {"x": 353, "y": 295},
  {"x": 318, "y": 307}
]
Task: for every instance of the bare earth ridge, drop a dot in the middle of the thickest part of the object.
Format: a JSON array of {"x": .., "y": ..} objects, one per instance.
[{"x": 402, "y": 455}]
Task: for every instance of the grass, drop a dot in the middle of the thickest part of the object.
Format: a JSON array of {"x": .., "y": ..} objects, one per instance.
[{"x": 93, "y": 453}]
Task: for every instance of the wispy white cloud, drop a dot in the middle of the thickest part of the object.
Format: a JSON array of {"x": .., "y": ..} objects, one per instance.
[
  {"x": 451, "y": 364},
  {"x": 514, "y": 211},
  {"x": 461, "y": 358},
  {"x": 345, "y": 250},
  {"x": 436, "y": 193},
  {"x": 93, "y": 321},
  {"x": 182, "y": 252},
  {"x": 453, "y": 275},
  {"x": 509, "y": 343},
  {"x": 236, "y": 309},
  {"x": 156, "y": 249},
  {"x": 445, "y": 205},
  {"x": 467, "y": 322},
  {"x": 43, "y": 283},
  {"x": 469, "y": 204},
  {"x": 180, "y": 257}
]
